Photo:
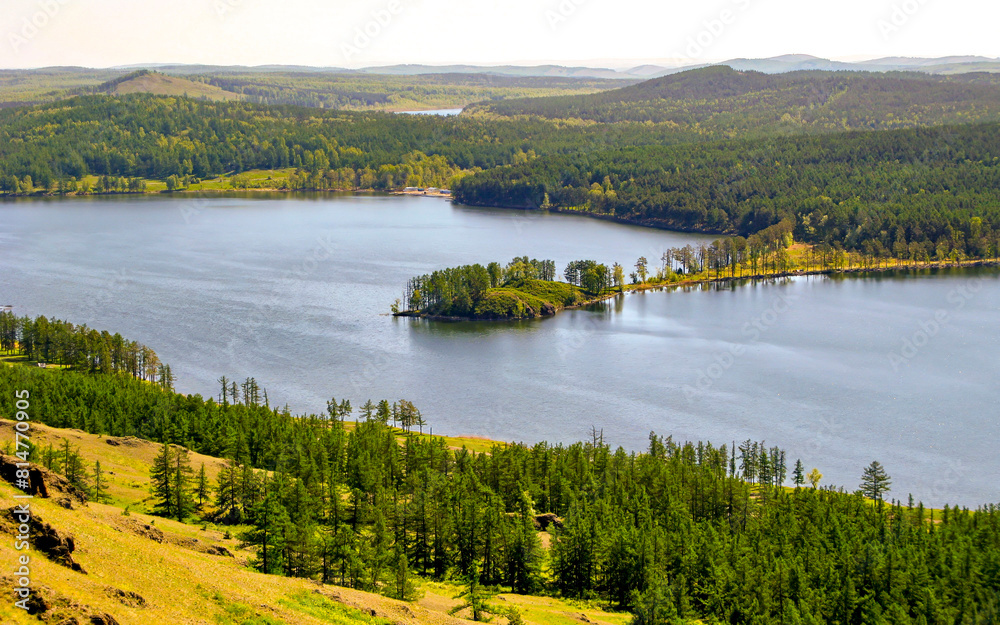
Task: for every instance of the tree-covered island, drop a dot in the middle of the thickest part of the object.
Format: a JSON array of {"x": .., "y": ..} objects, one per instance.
[{"x": 523, "y": 289}]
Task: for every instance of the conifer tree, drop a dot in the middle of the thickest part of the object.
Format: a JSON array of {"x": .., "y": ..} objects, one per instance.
[
  {"x": 227, "y": 500},
  {"x": 162, "y": 475},
  {"x": 183, "y": 502},
  {"x": 98, "y": 484},
  {"x": 267, "y": 536},
  {"x": 202, "y": 490},
  {"x": 798, "y": 475},
  {"x": 875, "y": 481},
  {"x": 475, "y": 597}
]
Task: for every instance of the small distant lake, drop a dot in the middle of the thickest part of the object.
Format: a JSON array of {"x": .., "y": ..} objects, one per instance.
[
  {"x": 839, "y": 371},
  {"x": 443, "y": 112}
]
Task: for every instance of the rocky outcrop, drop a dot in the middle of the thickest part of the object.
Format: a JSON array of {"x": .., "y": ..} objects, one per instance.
[
  {"x": 146, "y": 530},
  {"x": 124, "y": 441},
  {"x": 219, "y": 550},
  {"x": 49, "y": 606},
  {"x": 41, "y": 482},
  {"x": 56, "y": 545},
  {"x": 126, "y": 597},
  {"x": 544, "y": 521}
]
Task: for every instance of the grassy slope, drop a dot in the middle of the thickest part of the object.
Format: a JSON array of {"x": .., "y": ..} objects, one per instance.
[
  {"x": 160, "y": 84},
  {"x": 529, "y": 299},
  {"x": 181, "y": 584}
]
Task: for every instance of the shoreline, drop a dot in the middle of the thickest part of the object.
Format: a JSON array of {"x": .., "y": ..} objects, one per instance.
[{"x": 641, "y": 288}]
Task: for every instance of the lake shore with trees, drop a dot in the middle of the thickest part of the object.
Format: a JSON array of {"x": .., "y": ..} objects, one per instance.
[{"x": 527, "y": 289}]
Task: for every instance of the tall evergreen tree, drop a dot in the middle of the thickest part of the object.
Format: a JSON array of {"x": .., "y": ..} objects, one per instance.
[{"x": 875, "y": 482}]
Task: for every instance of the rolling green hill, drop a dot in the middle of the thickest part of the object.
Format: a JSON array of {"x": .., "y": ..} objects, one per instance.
[{"x": 719, "y": 97}]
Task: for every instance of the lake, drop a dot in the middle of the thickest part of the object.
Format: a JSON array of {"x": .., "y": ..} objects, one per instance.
[
  {"x": 293, "y": 290},
  {"x": 442, "y": 112}
]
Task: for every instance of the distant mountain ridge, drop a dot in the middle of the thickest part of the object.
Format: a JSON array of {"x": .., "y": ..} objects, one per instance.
[{"x": 771, "y": 65}]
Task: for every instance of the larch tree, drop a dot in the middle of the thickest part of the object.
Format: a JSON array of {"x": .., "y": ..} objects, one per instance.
[{"x": 875, "y": 482}]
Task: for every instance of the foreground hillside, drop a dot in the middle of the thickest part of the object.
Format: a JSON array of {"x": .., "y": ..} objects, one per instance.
[{"x": 140, "y": 569}]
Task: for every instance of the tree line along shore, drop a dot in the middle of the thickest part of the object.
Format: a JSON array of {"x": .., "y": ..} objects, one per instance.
[{"x": 528, "y": 288}]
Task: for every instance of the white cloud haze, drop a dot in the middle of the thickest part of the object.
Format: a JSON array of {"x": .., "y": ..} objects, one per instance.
[{"x": 101, "y": 33}]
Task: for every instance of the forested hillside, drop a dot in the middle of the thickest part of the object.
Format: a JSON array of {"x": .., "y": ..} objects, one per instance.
[
  {"x": 683, "y": 531},
  {"x": 155, "y": 137},
  {"x": 722, "y": 99},
  {"x": 327, "y": 88},
  {"x": 143, "y": 136},
  {"x": 918, "y": 193}
]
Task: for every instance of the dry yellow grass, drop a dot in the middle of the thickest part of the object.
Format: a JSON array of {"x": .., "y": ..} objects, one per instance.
[
  {"x": 125, "y": 465},
  {"x": 180, "y": 584}
]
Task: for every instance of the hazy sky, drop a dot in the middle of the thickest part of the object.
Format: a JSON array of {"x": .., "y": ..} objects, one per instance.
[{"x": 101, "y": 33}]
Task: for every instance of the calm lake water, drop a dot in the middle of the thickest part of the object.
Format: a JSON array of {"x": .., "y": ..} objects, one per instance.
[
  {"x": 839, "y": 371},
  {"x": 443, "y": 112}
]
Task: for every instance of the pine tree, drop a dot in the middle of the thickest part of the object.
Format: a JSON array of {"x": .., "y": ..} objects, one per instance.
[
  {"x": 201, "y": 491},
  {"x": 162, "y": 476},
  {"x": 798, "y": 475},
  {"x": 875, "y": 481},
  {"x": 98, "y": 484},
  {"x": 267, "y": 536},
  {"x": 403, "y": 587},
  {"x": 476, "y": 598},
  {"x": 654, "y": 605},
  {"x": 227, "y": 500},
  {"x": 183, "y": 502},
  {"x": 368, "y": 410}
]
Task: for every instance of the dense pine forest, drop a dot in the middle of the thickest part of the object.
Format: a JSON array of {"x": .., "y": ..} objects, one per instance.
[
  {"x": 681, "y": 531},
  {"x": 916, "y": 194},
  {"x": 56, "y": 342}
]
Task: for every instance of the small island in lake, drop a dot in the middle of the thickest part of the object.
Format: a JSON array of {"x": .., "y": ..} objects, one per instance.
[{"x": 524, "y": 289}]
